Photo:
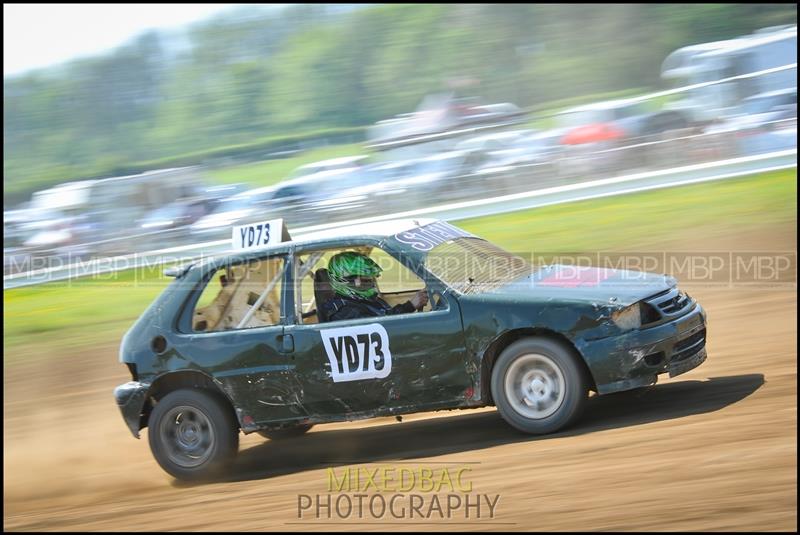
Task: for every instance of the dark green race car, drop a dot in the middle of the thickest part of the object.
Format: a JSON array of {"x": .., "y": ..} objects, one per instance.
[{"x": 236, "y": 342}]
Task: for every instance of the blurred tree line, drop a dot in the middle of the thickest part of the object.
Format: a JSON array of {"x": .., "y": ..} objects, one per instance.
[{"x": 249, "y": 74}]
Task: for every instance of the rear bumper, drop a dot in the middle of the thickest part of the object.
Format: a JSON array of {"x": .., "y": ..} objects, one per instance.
[
  {"x": 130, "y": 398},
  {"x": 636, "y": 358}
]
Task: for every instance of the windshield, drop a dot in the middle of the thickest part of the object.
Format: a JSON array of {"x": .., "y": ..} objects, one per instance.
[{"x": 473, "y": 265}]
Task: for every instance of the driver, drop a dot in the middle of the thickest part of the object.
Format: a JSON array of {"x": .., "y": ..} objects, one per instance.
[{"x": 352, "y": 276}]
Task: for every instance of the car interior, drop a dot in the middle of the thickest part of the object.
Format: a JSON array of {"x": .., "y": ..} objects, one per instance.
[
  {"x": 248, "y": 296},
  {"x": 397, "y": 284}
]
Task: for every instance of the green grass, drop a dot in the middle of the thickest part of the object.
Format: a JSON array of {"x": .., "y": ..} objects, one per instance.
[
  {"x": 271, "y": 172},
  {"x": 77, "y": 313},
  {"x": 640, "y": 219},
  {"x": 47, "y": 319}
]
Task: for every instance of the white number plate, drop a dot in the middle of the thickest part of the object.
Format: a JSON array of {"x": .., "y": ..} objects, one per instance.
[{"x": 257, "y": 235}]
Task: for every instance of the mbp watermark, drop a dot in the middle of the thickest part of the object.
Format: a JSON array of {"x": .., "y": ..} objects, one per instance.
[
  {"x": 485, "y": 268},
  {"x": 399, "y": 493}
]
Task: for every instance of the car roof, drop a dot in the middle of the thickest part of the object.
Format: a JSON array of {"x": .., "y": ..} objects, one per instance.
[
  {"x": 375, "y": 230},
  {"x": 379, "y": 229}
]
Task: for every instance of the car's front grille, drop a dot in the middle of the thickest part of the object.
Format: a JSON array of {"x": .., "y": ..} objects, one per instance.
[
  {"x": 674, "y": 304},
  {"x": 689, "y": 346},
  {"x": 670, "y": 302}
]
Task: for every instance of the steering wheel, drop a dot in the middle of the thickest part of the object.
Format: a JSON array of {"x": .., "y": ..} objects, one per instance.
[{"x": 435, "y": 300}]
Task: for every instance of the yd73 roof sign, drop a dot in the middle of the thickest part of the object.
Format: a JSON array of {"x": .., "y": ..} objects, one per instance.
[{"x": 258, "y": 235}]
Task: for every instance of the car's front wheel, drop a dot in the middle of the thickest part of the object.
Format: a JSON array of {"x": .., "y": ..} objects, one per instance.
[
  {"x": 538, "y": 385},
  {"x": 192, "y": 434}
]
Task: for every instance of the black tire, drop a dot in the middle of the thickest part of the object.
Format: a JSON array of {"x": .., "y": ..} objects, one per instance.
[
  {"x": 193, "y": 434},
  {"x": 288, "y": 432},
  {"x": 551, "y": 381}
]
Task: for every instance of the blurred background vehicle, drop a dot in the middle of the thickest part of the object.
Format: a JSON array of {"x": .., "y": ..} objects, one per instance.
[
  {"x": 345, "y": 162},
  {"x": 593, "y": 134},
  {"x": 174, "y": 217},
  {"x": 694, "y": 65},
  {"x": 761, "y": 123},
  {"x": 233, "y": 210},
  {"x": 177, "y": 214},
  {"x": 170, "y": 224},
  {"x": 442, "y": 112},
  {"x": 384, "y": 185},
  {"x": 525, "y": 147},
  {"x": 294, "y": 200},
  {"x": 14, "y": 222}
]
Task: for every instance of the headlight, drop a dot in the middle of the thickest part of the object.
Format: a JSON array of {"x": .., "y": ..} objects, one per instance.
[{"x": 628, "y": 318}]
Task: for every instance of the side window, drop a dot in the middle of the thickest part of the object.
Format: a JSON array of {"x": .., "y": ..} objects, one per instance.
[
  {"x": 396, "y": 284},
  {"x": 395, "y": 277},
  {"x": 242, "y": 296}
]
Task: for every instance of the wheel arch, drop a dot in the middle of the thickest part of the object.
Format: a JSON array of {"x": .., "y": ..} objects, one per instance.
[
  {"x": 507, "y": 338},
  {"x": 183, "y": 379}
]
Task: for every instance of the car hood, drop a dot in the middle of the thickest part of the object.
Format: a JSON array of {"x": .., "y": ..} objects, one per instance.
[{"x": 614, "y": 287}]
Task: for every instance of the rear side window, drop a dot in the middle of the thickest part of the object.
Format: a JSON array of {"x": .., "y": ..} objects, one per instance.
[{"x": 243, "y": 296}]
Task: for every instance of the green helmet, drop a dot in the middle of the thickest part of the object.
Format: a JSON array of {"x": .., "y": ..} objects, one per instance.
[{"x": 347, "y": 272}]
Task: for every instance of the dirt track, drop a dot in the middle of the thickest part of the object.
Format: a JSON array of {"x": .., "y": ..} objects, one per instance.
[{"x": 714, "y": 449}]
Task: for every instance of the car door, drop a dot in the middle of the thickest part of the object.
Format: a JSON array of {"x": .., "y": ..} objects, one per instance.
[
  {"x": 382, "y": 363},
  {"x": 237, "y": 336}
]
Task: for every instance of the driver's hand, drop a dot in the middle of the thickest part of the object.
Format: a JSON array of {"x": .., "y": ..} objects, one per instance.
[{"x": 420, "y": 299}]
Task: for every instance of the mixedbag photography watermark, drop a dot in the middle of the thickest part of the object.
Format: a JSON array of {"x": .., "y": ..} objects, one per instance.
[{"x": 399, "y": 493}]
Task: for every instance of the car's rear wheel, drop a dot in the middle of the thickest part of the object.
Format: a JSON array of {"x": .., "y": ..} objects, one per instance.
[
  {"x": 192, "y": 434},
  {"x": 538, "y": 386},
  {"x": 287, "y": 432}
]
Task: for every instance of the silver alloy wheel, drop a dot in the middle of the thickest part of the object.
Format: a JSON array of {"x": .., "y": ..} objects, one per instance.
[
  {"x": 535, "y": 386},
  {"x": 188, "y": 436}
]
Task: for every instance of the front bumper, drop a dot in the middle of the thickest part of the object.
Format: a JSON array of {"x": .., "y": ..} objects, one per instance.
[
  {"x": 130, "y": 398},
  {"x": 636, "y": 358}
]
